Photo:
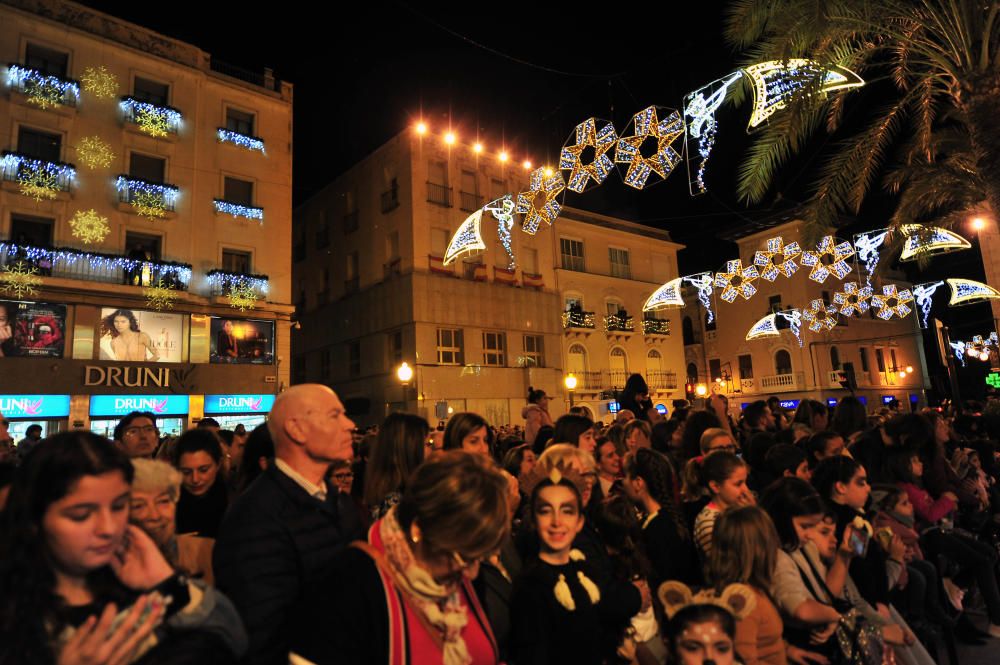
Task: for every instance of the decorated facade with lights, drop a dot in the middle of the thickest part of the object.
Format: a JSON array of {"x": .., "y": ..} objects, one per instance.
[{"x": 137, "y": 228}]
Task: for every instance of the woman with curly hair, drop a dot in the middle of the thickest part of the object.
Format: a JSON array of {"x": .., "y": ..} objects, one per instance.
[{"x": 127, "y": 342}]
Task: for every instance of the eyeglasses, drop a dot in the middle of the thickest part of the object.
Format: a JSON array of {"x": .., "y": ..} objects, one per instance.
[{"x": 145, "y": 429}]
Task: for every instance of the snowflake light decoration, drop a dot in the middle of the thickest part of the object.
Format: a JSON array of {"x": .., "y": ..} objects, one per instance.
[
  {"x": 821, "y": 316},
  {"x": 667, "y": 296},
  {"x": 159, "y": 296},
  {"x": 19, "y": 280},
  {"x": 94, "y": 152},
  {"x": 587, "y": 159},
  {"x": 892, "y": 302},
  {"x": 152, "y": 121},
  {"x": 853, "y": 300},
  {"x": 39, "y": 183},
  {"x": 43, "y": 93},
  {"x": 89, "y": 227},
  {"x": 242, "y": 296},
  {"x": 468, "y": 238},
  {"x": 777, "y": 259},
  {"x": 647, "y": 129},
  {"x": 923, "y": 294},
  {"x": 829, "y": 258},
  {"x": 149, "y": 204},
  {"x": 99, "y": 82},
  {"x": 737, "y": 281},
  {"x": 968, "y": 291},
  {"x": 539, "y": 203}
]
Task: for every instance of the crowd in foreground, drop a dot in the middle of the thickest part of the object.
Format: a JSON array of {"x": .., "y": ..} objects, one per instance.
[{"x": 815, "y": 537}]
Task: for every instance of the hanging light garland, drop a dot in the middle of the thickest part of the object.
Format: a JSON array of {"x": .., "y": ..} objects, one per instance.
[
  {"x": 242, "y": 140},
  {"x": 97, "y": 262},
  {"x": 42, "y": 90},
  {"x": 539, "y": 204},
  {"x": 829, "y": 258},
  {"x": 777, "y": 82},
  {"x": 853, "y": 300},
  {"x": 892, "y": 302},
  {"x": 157, "y": 121},
  {"x": 239, "y": 210},
  {"x": 647, "y": 128},
  {"x": 822, "y": 317},
  {"x": 37, "y": 178},
  {"x": 588, "y": 140},
  {"x": 777, "y": 259},
  {"x": 736, "y": 280}
]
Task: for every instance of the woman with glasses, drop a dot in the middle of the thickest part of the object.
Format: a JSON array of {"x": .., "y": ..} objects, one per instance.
[{"x": 405, "y": 594}]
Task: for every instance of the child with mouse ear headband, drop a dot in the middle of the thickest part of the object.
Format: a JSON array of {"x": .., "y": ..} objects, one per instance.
[{"x": 702, "y": 627}]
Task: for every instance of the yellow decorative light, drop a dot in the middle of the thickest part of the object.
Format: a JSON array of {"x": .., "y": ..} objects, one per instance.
[
  {"x": 892, "y": 302},
  {"x": 661, "y": 162},
  {"x": 765, "y": 327},
  {"x": 94, "y": 152},
  {"x": 539, "y": 203},
  {"x": 19, "y": 280},
  {"x": 151, "y": 122},
  {"x": 242, "y": 296},
  {"x": 736, "y": 281},
  {"x": 39, "y": 183},
  {"x": 853, "y": 299},
  {"x": 928, "y": 240},
  {"x": 45, "y": 96},
  {"x": 89, "y": 227},
  {"x": 821, "y": 316},
  {"x": 159, "y": 296},
  {"x": 777, "y": 259},
  {"x": 599, "y": 166},
  {"x": 777, "y": 82},
  {"x": 967, "y": 291},
  {"x": 667, "y": 296},
  {"x": 149, "y": 204},
  {"x": 829, "y": 258},
  {"x": 99, "y": 82},
  {"x": 468, "y": 238}
]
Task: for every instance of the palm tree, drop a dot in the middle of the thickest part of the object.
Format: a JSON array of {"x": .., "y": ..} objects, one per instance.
[{"x": 936, "y": 138}]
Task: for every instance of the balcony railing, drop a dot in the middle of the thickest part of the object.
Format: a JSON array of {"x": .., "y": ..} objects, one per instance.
[
  {"x": 390, "y": 200},
  {"x": 661, "y": 380},
  {"x": 439, "y": 194},
  {"x": 469, "y": 201},
  {"x": 51, "y": 176},
  {"x": 239, "y": 210},
  {"x": 783, "y": 382},
  {"x": 152, "y": 119},
  {"x": 224, "y": 281},
  {"x": 617, "y": 323},
  {"x": 616, "y": 378},
  {"x": 241, "y": 140},
  {"x": 94, "y": 267},
  {"x": 578, "y": 319},
  {"x": 42, "y": 89},
  {"x": 655, "y": 326},
  {"x": 137, "y": 191}
]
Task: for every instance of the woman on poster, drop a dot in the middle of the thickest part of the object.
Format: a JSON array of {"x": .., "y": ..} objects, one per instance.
[{"x": 127, "y": 341}]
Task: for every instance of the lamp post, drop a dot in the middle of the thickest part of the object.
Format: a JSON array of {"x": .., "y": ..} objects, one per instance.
[
  {"x": 570, "y": 383},
  {"x": 405, "y": 374}
]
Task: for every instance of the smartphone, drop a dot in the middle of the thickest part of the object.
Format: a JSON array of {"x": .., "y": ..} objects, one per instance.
[{"x": 858, "y": 541}]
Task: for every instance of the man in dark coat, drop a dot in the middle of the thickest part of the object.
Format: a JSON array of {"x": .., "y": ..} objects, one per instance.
[{"x": 284, "y": 531}]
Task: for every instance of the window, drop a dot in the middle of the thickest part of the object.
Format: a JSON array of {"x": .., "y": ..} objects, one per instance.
[
  {"x": 323, "y": 293},
  {"x": 746, "y": 366},
  {"x": 351, "y": 278},
  {"x": 142, "y": 244},
  {"x": 619, "y": 263},
  {"x": 653, "y": 363},
  {"x": 145, "y": 90},
  {"x": 497, "y": 188},
  {"x": 572, "y": 254},
  {"x": 834, "y": 358},
  {"x": 782, "y": 362},
  {"x": 687, "y": 330},
  {"x": 239, "y": 122},
  {"x": 437, "y": 183},
  {"x": 450, "y": 346},
  {"x": 350, "y": 213},
  {"x": 879, "y": 360},
  {"x": 494, "y": 349},
  {"x": 714, "y": 369},
  {"x": 322, "y": 231},
  {"x": 892, "y": 356},
  {"x": 692, "y": 371},
  {"x": 470, "y": 191},
  {"x": 46, "y": 60},
  {"x": 40, "y": 145},
  {"x": 619, "y": 361},
  {"x": 576, "y": 359},
  {"x": 529, "y": 261},
  {"x": 144, "y": 167},
  {"x": 36, "y": 231},
  {"x": 774, "y": 303},
  {"x": 439, "y": 242},
  {"x": 354, "y": 358},
  {"x": 236, "y": 261},
  {"x": 324, "y": 364},
  {"x": 614, "y": 306},
  {"x": 238, "y": 191},
  {"x": 392, "y": 246},
  {"x": 574, "y": 302},
  {"x": 864, "y": 359},
  {"x": 394, "y": 342},
  {"x": 534, "y": 351}
]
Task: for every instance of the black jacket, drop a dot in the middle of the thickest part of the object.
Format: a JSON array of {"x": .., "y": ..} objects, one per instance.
[{"x": 274, "y": 543}]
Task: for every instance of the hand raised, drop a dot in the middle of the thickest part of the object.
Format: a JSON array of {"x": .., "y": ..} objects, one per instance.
[{"x": 139, "y": 564}]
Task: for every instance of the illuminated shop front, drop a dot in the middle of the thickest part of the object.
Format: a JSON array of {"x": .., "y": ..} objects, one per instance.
[
  {"x": 171, "y": 412},
  {"x": 51, "y": 412},
  {"x": 233, "y": 410}
]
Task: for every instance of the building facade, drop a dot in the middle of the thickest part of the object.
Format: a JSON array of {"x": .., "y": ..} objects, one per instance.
[
  {"x": 886, "y": 355},
  {"x": 145, "y": 215},
  {"x": 373, "y": 291}
]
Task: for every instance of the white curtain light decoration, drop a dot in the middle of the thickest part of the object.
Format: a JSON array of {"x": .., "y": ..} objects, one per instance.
[
  {"x": 868, "y": 247},
  {"x": 777, "y": 82},
  {"x": 892, "y": 302},
  {"x": 777, "y": 259},
  {"x": 704, "y": 283},
  {"x": 648, "y": 133},
  {"x": 923, "y": 240},
  {"x": 853, "y": 300},
  {"x": 667, "y": 296},
  {"x": 922, "y": 294},
  {"x": 589, "y": 167},
  {"x": 502, "y": 210},
  {"x": 701, "y": 126},
  {"x": 968, "y": 291},
  {"x": 959, "y": 348},
  {"x": 467, "y": 239},
  {"x": 822, "y": 316},
  {"x": 830, "y": 258},
  {"x": 736, "y": 280}
]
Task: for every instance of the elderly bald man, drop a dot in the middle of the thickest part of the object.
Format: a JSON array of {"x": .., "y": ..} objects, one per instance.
[{"x": 281, "y": 535}]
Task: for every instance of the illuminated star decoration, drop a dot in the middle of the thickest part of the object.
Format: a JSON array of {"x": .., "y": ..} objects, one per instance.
[
  {"x": 89, "y": 227},
  {"x": 99, "y": 82},
  {"x": 149, "y": 204},
  {"x": 703, "y": 282},
  {"x": 242, "y": 296},
  {"x": 19, "y": 280},
  {"x": 647, "y": 129},
  {"x": 591, "y": 145},
  {"x": 503, "y": 211},
  {"x": 821, "y": 316},
  {"x": 765, "y": 327},
  {"x": 777, "y": 82},
  {"x": 828, "y": 258},
  {"x": 967, "y": 291},
  {"x": 926, "y": 240},
  {"x": 700, "y": 125},
  {"x": 777, "y": 259},
  {"x": 892, "y": 303},
  {"x": 794, "y": 318},
  {"x": 94, "y": 152},
  {"x": 868, "y": 246},
  {"x": 539, "y": 203},
  {"x": 667, "y": 296},
  {"x": 159, "y": 296},
  {"x": 39, "y": 183},
  {"x": 736, "y": 280},
  {"x": 152, "y": 121},
  {"x": 468, "y": 238},
  {"x": 853, "y": 300},
  {"x": 922, "y": 294}
]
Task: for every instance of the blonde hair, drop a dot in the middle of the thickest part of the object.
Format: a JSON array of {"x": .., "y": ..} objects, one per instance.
[
  {"x": 744, "y": 549},
  {"x": 567, "y": 454},
  {"x": 154, "y": 476}
]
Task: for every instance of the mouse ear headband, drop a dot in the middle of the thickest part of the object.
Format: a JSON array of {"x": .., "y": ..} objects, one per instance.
[{"x": 737, "y": 599}]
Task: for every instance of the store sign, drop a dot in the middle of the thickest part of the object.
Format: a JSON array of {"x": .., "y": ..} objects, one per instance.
[
  {"x": 661, "y": 409},
  {"x": 614, "y": 407},
  {"x": 887, "y": 398},
  {"x": 126, "y": 377},
  {"x": 34, "y": 406},
  {"x": 831, "y": 402},
  {"x": 789, "y": 403},
  {"x": 122, "y": 405},
  {"x": 220, "y": 404},
  {"x": 993, "y": 379}
]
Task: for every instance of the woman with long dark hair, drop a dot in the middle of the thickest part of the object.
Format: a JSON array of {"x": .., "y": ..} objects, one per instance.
[
  {"x": 127, "y": 342},
  {"x": 399, "y": 451}
]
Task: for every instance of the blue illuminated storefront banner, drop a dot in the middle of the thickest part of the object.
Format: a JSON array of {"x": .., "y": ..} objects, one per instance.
[
  {"x": 35, "y": 406},
  {"x": 221, "y": 404},
  {"x": 122, "y": 405},
  {"x": 831, "y": 402},
  {"x": 789, "y": 403},
  {"x": 887, "y": 398}
]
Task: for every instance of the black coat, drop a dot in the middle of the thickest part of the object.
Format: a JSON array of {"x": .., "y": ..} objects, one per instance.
[{"x": 275, "y": 542}]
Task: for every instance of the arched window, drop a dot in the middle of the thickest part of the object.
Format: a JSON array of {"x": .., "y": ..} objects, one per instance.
[
  {"x": 687, "y": 328},
  {"x": 692, "y": 371},
  {"x": 653, "y": 364},
  {"x": 576, "y": 359},
  {"x": 834, "y": 357},
  {"x": 782, "y": 362},
  {"x": 619, "y": 367},
  {"x": 710, "y": 325}
]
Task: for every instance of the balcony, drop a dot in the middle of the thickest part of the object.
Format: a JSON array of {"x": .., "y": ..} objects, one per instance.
[
  {"x": 656, "y": 327},
  {"x": 578, "y": 319},
  {"x": 619, "y": 323},
  {"x": 244, "y": 141},
  {"x": 439, "y": 194},
  {"x": 390, "y": 200},
  {"x": 660, "y": 380},
  {"x": 239, "y": 210},
  {"x": 351, "y": 221},
  {"x": 469, "y": 201},
  {"x": 616, "y": 378},
  {"x": 43, "y": 90},
  {"x": 352, "y": 284},
  {"x": 152, "y": 119},
  {"x": 783, "y": 383},
  {"x": 69, "y": 263},
  {"x": 38, "y": 178},
  {"x": 224, "y": 282},
  {"x": 392, "y": 268},
  {"x": 145, "y": 195}
]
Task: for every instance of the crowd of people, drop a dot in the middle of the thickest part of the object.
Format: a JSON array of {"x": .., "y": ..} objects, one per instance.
[{"x": 814, "y": 537}]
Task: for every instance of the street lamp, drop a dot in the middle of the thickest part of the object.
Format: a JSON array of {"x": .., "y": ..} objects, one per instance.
[
  {"x": 570, "y": 383},
  {"x": 978, "y": 223},
  {"x": 701, "y": 390},
  {"x": 404, "y": 373}
]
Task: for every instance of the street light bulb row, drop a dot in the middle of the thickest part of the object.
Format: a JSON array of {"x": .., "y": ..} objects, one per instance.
[{"x": 450, "y": 138}]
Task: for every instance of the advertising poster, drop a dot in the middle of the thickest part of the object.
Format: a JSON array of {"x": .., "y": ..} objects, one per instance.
[
  {"x": 242, "y": 341},
  {"x": 32, "y": 329},
  {"x": 140, "y": 336}
]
